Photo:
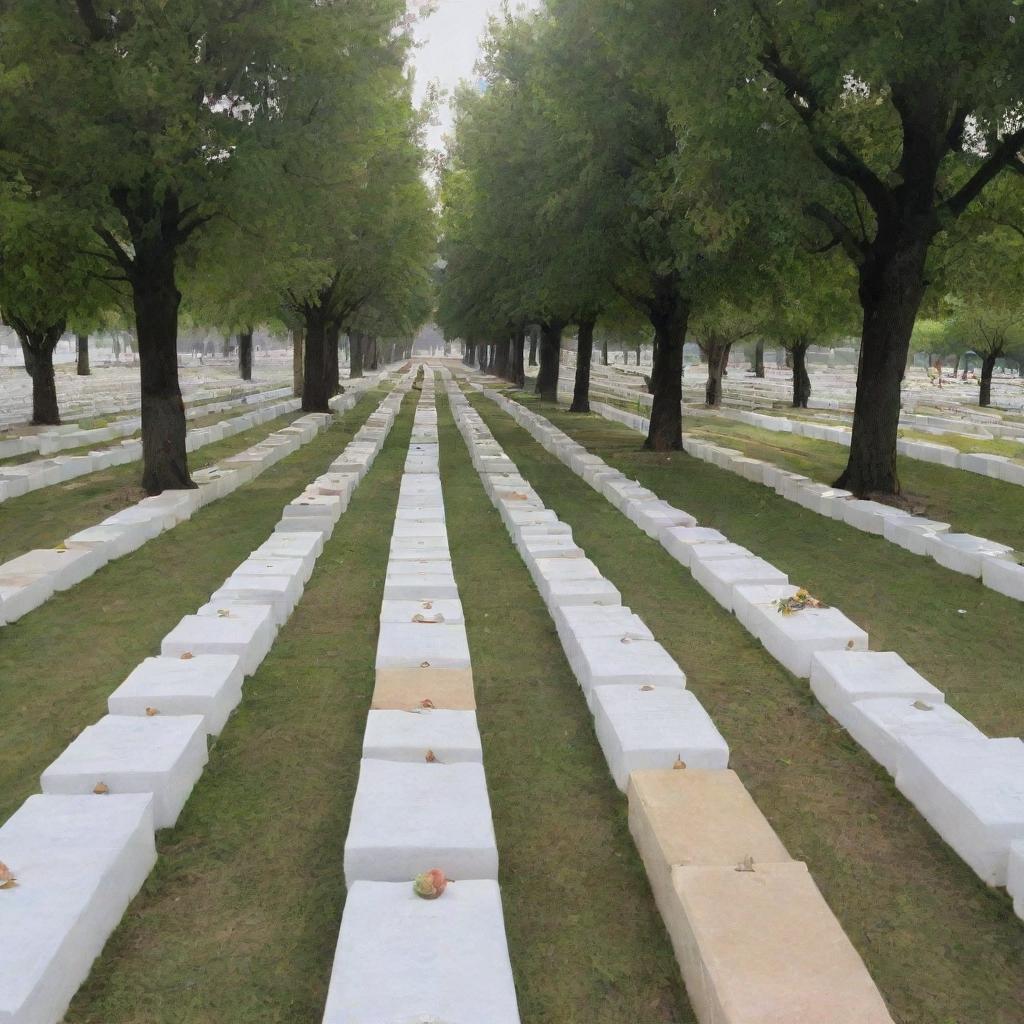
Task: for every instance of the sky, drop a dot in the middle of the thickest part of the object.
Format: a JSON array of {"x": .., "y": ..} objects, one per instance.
[{"x": 450, "y": 45}]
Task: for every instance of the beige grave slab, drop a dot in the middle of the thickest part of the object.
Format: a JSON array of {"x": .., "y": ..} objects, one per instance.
[
  {"x": 763, "y": 947},
  {"x": 688, "y": 816},
  {"x": 403, "y": 689}
]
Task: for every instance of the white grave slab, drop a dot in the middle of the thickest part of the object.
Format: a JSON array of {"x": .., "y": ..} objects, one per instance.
[
  {"x": 720, "y": 576},
  {"x": 422, "y": 644},
  {"x": 249, "y": 638},
  {"x": 625, "y": 661},
  {"x": 965, "y": 553},
  {"x": 450, "y": 736},
  {"x": 163, "y": 755},
  {"x": 407, "y": 818},
  {"x": 793, "y": 639}
]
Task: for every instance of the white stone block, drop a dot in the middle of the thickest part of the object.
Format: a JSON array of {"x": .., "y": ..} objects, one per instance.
[
  {"x": 163, "y": 755},
  {"x": 20, "y": 595},
  {"x": 751, "y": 603},
  {"x": 838, "y": 678},
  {"x": 793, "y": 639},
  {"x": 965, "y": 553},
  {"x": 1005, "y": 576},
  {"x": 153, "y": 521},
  {"x": 534, "y": 546},
  {"x": 912, "y": 532},
  {"x": 651, "y": 727},
  {"x": 1015, "y": 877},
  {"x": 881, "y": 725},
  {"x": 422, "y": 644},
  {"x": 407, "y": 818},
  {"x": 405, "y": 960},
  {"x": 971, "y": 791},
  {"x": 982, "y": 463},
  {"x": 79, "y": 862},
  {"x": 307, "y": 546},
  {"x": 317, "y": 506},
  {"x": 209, "y": 685},
  {"x": 625, "y": 661},
  {"x": 417, "y": 581},
  {"x": 450, "y": 736},
  {"x": 298, "y": 569},
  {"x": 442, "y": 610},
  {"x": 870, "y": 516},
  {"x": 63, "y": 567},
  {"x": 248, "y": 638},
  {"x": 720, "y": 576},
  {"x": 680, "y": 541},
  {"x": 323, "y": 525}
]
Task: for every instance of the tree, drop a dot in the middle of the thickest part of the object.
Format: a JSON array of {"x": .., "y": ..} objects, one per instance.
[{"x": 899, "y": 117}]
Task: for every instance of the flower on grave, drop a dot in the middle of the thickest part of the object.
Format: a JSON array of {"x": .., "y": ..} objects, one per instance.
[
  {"x": 430, "y": 884},
  {"x": 798, "y": 602},
  {"x": 7, "y": 879}
]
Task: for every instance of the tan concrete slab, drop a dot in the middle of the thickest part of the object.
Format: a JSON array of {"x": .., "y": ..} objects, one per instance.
[
  {"x": 763, "y": 947},
  {"x": 405, "y": 689},
  {"x": 689, "y": 816}
]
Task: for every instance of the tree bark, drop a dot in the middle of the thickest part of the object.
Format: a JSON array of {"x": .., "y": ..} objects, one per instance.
[
  {"x": 355, "y": 354},
  {"x": 892, "y": 285},
  {"x": 584, "y": 357},
  {"x": 332, "y": 358},
  {"x": 534, "y": 338},
  {"x": 82, "y": 346},
  {"x": 316, "y": 387},
  {"x": 550, "y": 350},
  {"x": 716, "y": 350},
  {"x": 156, "y": 299},
  {"x": 518, "y": 370},
  {"x": 604, "y": 351},
  {"x": 298, "y": 360},
  {"x": 669, "y": 313},
  {"x": 759, "y": 358},
  {"x": 801, "y": 378},
  {"x": 38, "y": 344},
  {"x": 501, "y": 355},
  {"x": 245, "y": 354},
  {"x": 988, "y": 364}
]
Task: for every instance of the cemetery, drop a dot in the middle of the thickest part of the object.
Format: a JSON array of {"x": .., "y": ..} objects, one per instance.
[{"x": 511, "y": 513}]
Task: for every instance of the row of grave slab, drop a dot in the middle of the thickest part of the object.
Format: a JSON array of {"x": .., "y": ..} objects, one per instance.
[
  {"x": 80, "y": 851},
  {"x": 965, "y": 784}
]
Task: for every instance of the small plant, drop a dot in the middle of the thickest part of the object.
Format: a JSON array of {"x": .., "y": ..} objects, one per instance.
[{"x": 798, "y": 602}]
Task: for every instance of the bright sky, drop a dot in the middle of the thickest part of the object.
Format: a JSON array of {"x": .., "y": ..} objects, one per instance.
[{"x": 450, "y": 40}]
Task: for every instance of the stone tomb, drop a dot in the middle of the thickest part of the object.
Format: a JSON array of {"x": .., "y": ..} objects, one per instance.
[
  {"x": 763, "y": 946},
  {"x": 720, "y": 576},
  {"x": 627, "y": 661},
  {"x": 248, "y": 638},
  {"x": 409, "y": 817},
  {"x": 450, "y": 736},
  {"x": 78, "y": 862},
  {"x": 163, "y": 755},
  {"x": 209, "y": 685},
  {"x": 839, "y": 678},
  {"x": 652, "y": 727},
  {"x": 971, "y": 791},
  {"x": 404, "y": 960},
  {"x": 793, "y": 639}
]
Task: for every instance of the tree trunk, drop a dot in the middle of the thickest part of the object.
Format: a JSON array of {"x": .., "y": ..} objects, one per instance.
[
  {"x": 298, "y": 361},
  {"x": 332, "y": 358},
  {"x": 38, "y": 344},
  {"x": 604, "y": 351},
  {"x": 355, "y": 355},
  {"x": 891, "y": 288},
  {"x": 29, "y": 356},
  {"x": 801, "y": 379},
  {"x": 156, "y": 300},
  {"x": 584, "y": 357},
  {"x": 316, "y": 386},
  {"x": 245, "y": 354},
  {"x": 371, "y": 357},
  {"x": 501, "y": 354},
  {"x": 534, "y": 337},
  {"x": 988, "y": 364},
  {"x": 716, "y": 351},
  {"x": 550, "y": 353},
  {"x": 956, "y": 366},
  {"x": 518, "y": 370},
  {"x": 82, "y": 345},
  {"x": 669, "y": 315},
  {"x": 759, "y": 358}
]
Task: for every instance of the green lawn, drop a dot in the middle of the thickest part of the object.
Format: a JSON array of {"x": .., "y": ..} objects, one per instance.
[
  {"x": 239, "y": 921},
  {"x": 586, "y": 941},
  {"x": 942, "y": 947},
  {"x": 44, "y": 518}
]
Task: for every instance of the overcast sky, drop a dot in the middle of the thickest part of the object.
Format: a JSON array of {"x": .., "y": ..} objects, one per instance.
[{"x": 450, "y": 41}]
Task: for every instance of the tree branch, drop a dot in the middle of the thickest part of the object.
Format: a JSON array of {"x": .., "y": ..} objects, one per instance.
[
  {"x": 1004, "y": 155},
  {"x": 853, "y": 246}
]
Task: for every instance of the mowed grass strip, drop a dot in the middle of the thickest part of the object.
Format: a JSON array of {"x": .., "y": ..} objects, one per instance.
[
  {"x": 969, "y": 502},
  {"x": 46, "y": 517},
  {"x": 942, "y": 948},
  {"x": 962, "y": 636},
  {"x": 586, "y": 940},
  {"x": 59, "y": 664},
  {"x": 239, "y": 921}
]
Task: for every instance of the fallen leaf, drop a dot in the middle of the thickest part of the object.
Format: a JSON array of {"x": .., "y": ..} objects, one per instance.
[
  {"x": 922, "y": 706},
  {"x": 431, "y": 757},
  {"x": 747, "y": 864},
  {"x": 646, "y": 687},
  {"x": 426, "y": 703},
  {"x": 187, "y": 656},
  {"x": 680, "y": 764},
  {"x": 151, "y": 712},
  {"x": 7, "y": 879},
  {"x": 101, "y": 789}
]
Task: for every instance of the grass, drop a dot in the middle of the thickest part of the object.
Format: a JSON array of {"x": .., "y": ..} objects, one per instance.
[
  {"x": 239, "y": 921},
  {"x": 942, "y": 947},
  {"x": 44, "y": 518},
  {"x": 59, "y": 663},
  {"x": 586, "y": 942}
]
